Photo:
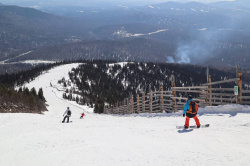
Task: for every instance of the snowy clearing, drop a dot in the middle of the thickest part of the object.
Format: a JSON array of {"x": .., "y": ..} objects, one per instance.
[{"x": 141, "y": 140}]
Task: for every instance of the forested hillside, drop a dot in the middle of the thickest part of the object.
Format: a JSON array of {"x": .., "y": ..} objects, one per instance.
[
  {"x": 22, "y": 99},
  {"x": 25, "y": 29},
  {"x": 135, "y": 49},
  {"x": 96, "y": 83}
]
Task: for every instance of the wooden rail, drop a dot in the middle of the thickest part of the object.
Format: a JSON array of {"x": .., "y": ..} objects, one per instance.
[
  {"x": 220, "y": 82},
  {"x": 169, "y": 101}
]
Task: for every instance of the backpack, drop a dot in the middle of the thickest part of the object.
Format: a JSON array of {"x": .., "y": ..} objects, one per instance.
[
  {"x": 192, "y": 105},
  {"x": 69, "y": 113}
]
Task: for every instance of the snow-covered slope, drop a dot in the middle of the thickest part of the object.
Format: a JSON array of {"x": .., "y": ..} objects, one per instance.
[{"x": 141, "y": 140}]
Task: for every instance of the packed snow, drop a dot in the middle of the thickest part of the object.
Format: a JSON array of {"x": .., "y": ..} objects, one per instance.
[
  {"x": 124, "y": 140},
  {"x": 122, "y": 33},
  {"x": 151, "y": 6},
  {"x": 23, "y": 54}
]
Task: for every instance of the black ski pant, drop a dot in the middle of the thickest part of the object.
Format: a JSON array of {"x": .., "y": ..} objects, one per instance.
[{"x": 65, "y": 118}]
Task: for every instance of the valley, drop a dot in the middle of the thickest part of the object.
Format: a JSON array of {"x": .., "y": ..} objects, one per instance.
[{"x": 195, "y": 33}]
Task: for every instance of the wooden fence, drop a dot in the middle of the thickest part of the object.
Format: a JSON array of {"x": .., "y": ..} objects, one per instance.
[{"x": 175, "y": 98}]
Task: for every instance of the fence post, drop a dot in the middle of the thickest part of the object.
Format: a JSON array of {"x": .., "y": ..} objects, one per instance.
[
  {"x": 240, "y": 87},
  {"x": 127, "y": 103},
  {"x": 114, "y": 108},
  {"x": 209, "y": 80},
  {"x": 109, "y": 109},
  {"x": 207, "y": 86},
  {"x": 174, "y": 92},
  {"x": 143, "y": 102},
  {"x": 138, "y": 103},
  {"x": 131, "y": 105},
  {"x": 237, "y": 71},
  {"x": 207, "y": 75},
  {"x": 239, "y": 84},
  {"x": 162, "y": 102},
  {"x": 118, "y": 110},
  {"x": 105, "y": 109},
  {"x": 150, "y": 101},
  {"x": 123, "y": 103},
  {"x": 210, "y": 91}
]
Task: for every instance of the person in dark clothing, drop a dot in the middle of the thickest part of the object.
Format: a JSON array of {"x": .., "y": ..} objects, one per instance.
[
  {"x": 190, "y": 111},
  {"x": 66, "y": 114}
]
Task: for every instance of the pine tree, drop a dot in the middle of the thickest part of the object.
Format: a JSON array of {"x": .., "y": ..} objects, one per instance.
[
  {"x": 20, "y": 90},
  {"x": 40, "y": 94},
  {"x": 33, "y": 91},
  {"x": 77, "y": 99}
]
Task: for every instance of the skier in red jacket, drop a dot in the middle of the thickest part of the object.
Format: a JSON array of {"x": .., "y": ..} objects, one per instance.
[{"x": 82, "y": 115}]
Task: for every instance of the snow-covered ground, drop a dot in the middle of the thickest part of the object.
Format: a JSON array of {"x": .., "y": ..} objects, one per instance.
[{"x": 130, "y": 140}]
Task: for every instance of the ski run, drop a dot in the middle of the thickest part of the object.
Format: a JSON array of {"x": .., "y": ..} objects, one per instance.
[{"x": 120, "y": 140}]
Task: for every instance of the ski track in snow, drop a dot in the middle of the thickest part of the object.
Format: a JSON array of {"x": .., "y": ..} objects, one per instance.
[{"x": 140, "y": 140}]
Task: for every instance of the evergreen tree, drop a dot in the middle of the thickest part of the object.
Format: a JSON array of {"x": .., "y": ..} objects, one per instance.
[
  {"x": 40, "y": 94},
  {"x": 77, "y": 99},
  {"x": 33, "y": 91},
  {"x": 20, "y": 90}
]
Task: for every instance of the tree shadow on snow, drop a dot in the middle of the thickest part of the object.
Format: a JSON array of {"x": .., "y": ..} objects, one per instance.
[{"x": 185, "y": 130}]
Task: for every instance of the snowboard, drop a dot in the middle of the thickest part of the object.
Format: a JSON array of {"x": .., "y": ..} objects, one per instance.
[
  {"x": 67, "y": 122},
  {"x": 193, "y": 127}
]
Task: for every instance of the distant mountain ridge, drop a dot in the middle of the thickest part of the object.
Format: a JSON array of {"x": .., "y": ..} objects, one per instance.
[
  {"x": 24, "y": 29},
  {"x": 172, "y": 32},
  {"x": 137, "y": 49},
  {"x": 232, "y": 4},
  {"x": 24, "y": 11},
  {"x": 169, "y": 5}
]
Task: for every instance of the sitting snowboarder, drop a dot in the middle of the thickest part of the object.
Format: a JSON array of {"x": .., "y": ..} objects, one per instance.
[
  {"x": 67, "y": 114},
  {"x": 190, "y": 110},
  {"x": 82, "y": 115}
]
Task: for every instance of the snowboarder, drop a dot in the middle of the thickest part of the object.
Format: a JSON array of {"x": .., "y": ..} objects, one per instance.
[
  {"x": 67, "y": 114},
  {"x": 82, "y": 115},
  {"x": 190, "y": 111}
]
